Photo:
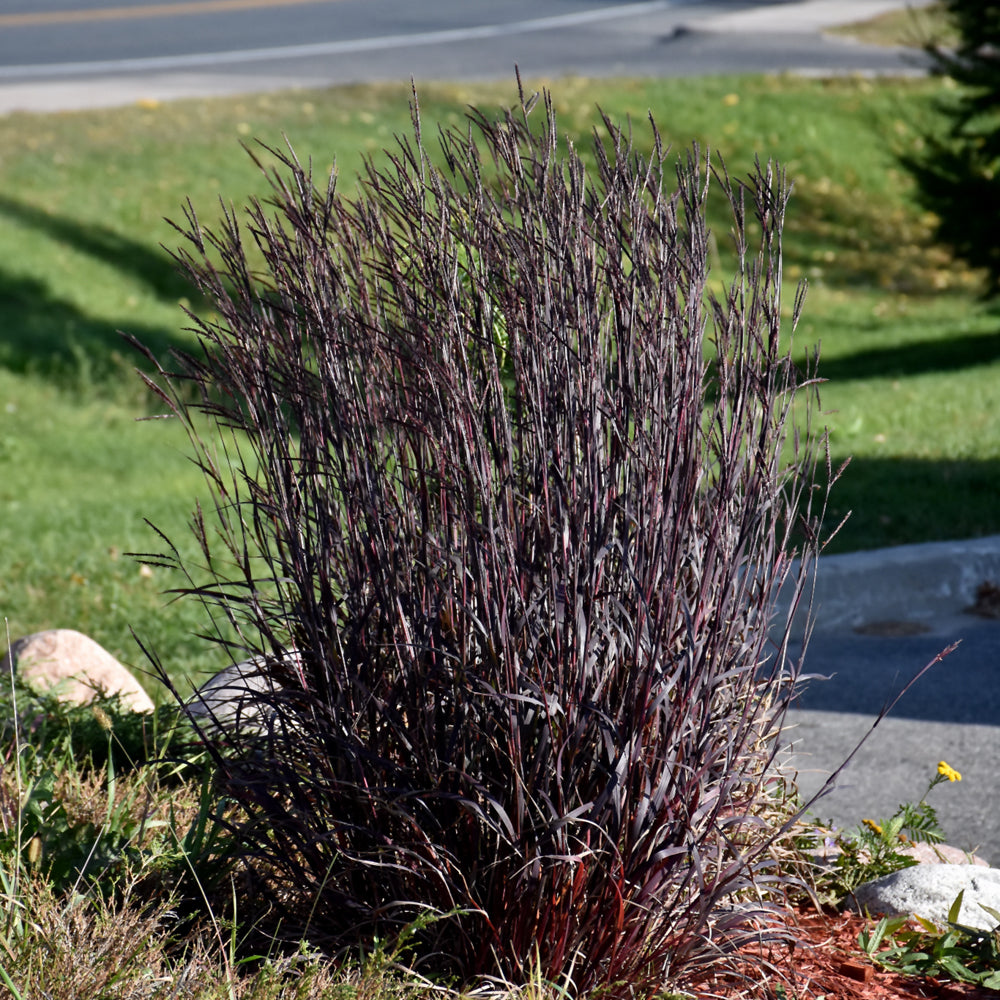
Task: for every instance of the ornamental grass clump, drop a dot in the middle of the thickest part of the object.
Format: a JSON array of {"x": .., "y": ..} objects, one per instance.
[{"x": 503, "y": 497}]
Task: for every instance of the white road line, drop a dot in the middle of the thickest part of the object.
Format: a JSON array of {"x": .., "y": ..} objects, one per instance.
[{"x": 346, "y": 47}]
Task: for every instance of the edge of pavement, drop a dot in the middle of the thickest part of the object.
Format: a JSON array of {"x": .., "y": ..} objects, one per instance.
[{"x": 929, "y": 584}]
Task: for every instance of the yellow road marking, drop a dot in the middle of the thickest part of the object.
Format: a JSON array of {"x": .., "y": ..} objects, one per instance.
[{"x": 136, "y": 13}]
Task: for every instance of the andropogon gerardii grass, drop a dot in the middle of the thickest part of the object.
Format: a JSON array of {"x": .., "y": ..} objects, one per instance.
[
  {"x": 876, "y": 340},
  {"x": 506, "y": 500}
]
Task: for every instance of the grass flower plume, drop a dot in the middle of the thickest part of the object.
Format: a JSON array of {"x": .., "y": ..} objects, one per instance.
[{"x": 520, "y": 491}]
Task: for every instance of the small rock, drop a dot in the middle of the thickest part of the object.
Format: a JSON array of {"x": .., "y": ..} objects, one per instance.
[
  {"x": 929, "y": 891},
  {"x": 238, "y": 697},
  {"x": 75, "y": 667}
]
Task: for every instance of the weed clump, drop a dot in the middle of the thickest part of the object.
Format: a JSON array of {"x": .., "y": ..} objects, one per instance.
[{"x": 503, "y": 498}]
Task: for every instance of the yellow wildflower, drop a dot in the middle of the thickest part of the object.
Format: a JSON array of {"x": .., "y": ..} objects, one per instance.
[
  {"x": 873, "y": 826},
  {"x": 947, "y": 771}
]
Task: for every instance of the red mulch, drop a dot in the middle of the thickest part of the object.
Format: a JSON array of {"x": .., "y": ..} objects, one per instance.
[{"x": 829, "y": 964}]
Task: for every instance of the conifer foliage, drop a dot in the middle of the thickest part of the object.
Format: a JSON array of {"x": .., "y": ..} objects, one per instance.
[{"x": 957, "y": 173}]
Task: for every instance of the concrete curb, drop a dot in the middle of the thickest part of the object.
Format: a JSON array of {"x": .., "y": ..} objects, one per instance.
[{"x": 922, "y": 584}]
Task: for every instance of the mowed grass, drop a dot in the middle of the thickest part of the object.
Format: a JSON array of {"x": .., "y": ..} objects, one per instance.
[
  {"x": 78, "y": 478},
  {"x": 912, "y": 357}
]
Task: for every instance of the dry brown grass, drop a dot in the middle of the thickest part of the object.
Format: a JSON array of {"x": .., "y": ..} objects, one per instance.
[
  {"x": 72, "y": 946},
  {"x": 78, "y": 946}
]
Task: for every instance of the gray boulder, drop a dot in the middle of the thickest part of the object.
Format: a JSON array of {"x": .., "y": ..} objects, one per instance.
[
  {"x": 74, "y": 668},
  {"x": 240, "y": 697},
  {"x": 929, "y": 890}
]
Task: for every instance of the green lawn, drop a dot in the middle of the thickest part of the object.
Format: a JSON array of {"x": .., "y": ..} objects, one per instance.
[{"x": 912, "y": 358}]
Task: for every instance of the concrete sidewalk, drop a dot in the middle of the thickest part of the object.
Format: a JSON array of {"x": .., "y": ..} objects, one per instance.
[{"x": 805, "y": 16}]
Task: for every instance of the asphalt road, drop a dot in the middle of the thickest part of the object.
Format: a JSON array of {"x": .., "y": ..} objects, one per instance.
[{"x": 76, "y": 53}]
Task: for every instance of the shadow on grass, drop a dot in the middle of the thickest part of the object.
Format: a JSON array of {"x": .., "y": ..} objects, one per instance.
[
  {"x": 848, "y": 240},
  {"x": 898, "y": 501},
  {"x": 43, "y": 334},
  {"x": 152, "y": 266},
  {"x": 943, "y": 354}
]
